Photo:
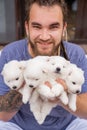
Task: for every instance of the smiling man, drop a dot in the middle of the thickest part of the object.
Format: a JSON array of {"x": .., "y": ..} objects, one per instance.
[{"x": 45, "y": 27}]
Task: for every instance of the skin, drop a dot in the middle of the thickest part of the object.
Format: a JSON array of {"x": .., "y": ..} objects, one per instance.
[
  {"x": 45, "y": 30},
  {"x": 44, "y": 35}
]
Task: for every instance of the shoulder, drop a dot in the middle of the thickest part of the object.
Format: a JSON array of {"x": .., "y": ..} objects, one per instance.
[
  {"x": 72, "y": 47},
  {"x": 15, "y": 45},
  {"x": 74, "y": 51},
  {"x": 77, "y": 55},
  {"x": 15, "y": 49}
]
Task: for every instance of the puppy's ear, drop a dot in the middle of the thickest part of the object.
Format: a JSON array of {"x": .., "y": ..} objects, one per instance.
[
  {"x": 68, "y": 62},
  {"x": 22, "y": 65},
  {"x": 2, "y": 73},
  {"x": 4, "y": 68},
  {"x": 45, "y": 71}
]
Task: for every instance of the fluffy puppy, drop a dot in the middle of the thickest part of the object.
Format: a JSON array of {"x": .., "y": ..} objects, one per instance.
[
  {"x": 59, "y": 66},
  {"x": 37, "y": 72},
  {"x": 73, "y": 76},
  {"x": 13, "y": 77},
  {"x": 40, "y": 103},
  {"x": 74, "y": 81}
]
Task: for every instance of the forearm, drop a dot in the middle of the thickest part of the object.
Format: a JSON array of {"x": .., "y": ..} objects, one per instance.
[
  {"x": 6, "y": 116},
  {"x": 9, "y": 104},
  {"x": 81, "y": 106}
]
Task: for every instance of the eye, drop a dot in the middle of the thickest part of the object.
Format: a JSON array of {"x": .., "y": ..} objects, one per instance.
[
  {"x": 8, "y": 81},
  {"x": 27, "y": 77},
  {"x": 74, "y": 83},
  {"x": 36, "y": 27},
  {"x": 36, "y": 79},
  {"x": 17, "y": 79},
  {"x": 53, "y": 63},
  {"x": 64, "y": 67},
  {"x": 54, "y": 27}
]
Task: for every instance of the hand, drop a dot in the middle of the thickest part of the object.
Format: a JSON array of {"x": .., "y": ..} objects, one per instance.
[
  {"x": 48, "y": 84},
  {"x": 60, "y": 81},
  {"x": 63, "y": 83}
]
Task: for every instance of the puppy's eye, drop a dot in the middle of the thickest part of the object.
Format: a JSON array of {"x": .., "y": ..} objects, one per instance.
[
  {"x": 36, "y": 79},
  {"x": 28, "y": 77},
  {"x": 8, "y": 81},
  {"x": 74, "y": 83},
  {"x": 17, "y": 78},
  {"x": 53, "y": 64},
  {"x": 64, "y": 67}
]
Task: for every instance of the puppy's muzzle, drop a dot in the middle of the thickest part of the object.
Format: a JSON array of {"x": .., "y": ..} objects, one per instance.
[
  {"x": 58, "y": 70},
  {"x": 78, "y": 91},
  {"x": 31, "y": 86},
  {"x": 14, "y": 87}
]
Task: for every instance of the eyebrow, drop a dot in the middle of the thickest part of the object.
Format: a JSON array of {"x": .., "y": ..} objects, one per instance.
[
  {"x": 53, "y": 24},
  {"x": 35, "y": 23}
]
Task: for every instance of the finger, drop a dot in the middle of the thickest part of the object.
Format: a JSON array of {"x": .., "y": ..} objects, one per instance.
[
  {"x": 62, "y": 82},
  {"x": 48, "y": 84}
]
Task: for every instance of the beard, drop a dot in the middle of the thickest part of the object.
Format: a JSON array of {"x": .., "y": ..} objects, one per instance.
[{"x": 36, "y": 51}]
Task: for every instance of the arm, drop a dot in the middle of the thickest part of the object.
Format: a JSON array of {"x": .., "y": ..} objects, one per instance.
[
  {"x": 81, "y": 106},
  {"x": 80, "y": 103},
  {"x": 9, "y": 105}
]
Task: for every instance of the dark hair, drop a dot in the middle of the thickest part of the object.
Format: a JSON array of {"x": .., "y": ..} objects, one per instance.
[{"x": 61, "y": 3}]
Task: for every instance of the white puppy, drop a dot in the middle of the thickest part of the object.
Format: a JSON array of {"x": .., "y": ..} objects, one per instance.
[
  {"x": 74, "y": 81},
  {"x": 73, "y": 76},
  {"x": 37, "y": 72},
  {"x": 59, "y": 66},
  {"x": 13, "y": 77}
]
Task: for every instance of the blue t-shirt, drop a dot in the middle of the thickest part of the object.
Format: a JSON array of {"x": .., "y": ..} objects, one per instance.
[{"x": 59, "y": 118}]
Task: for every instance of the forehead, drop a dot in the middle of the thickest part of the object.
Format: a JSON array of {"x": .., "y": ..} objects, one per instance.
[{"x": 46, "y": 14}]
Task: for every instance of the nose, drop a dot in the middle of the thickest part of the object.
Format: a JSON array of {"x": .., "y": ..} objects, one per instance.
[
  {"x": 45, "y": 35},
  {"x": 58, "y": 70},
  {"x": 31, "y": 86},
  {"x": 78, "y": 91},
  {"x": 14, "y": 87}
]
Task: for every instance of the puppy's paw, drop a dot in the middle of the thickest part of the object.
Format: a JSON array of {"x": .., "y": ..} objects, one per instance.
[
  {"x": 72, "y": 107},
  {"x": 64, "y": 98},
  {"x": 57, "y": 90},
  {"x": 38, "y": 117},
  {"x": 25, "y": 99},
  {"x": 40, "y": 121}
]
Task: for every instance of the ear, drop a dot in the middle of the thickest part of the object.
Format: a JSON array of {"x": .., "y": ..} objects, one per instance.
[
  {"x": 68, "y": 62},
  {"x": 65, "y": 29},
  {"x": 2, "y": 73},
  {"x": 22, "y": 65},
  {"x": 64, "y": 26},
  {"x": 27, "y": 28},
  {"x": 3, "y": 70},
  {"x": 45, "y": 71}
]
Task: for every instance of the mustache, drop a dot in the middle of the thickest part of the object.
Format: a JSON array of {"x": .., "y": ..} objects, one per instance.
[{"x": 44, "y": 41}]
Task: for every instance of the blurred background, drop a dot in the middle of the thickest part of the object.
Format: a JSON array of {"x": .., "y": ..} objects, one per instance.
[{"x": 12, "y": 15}]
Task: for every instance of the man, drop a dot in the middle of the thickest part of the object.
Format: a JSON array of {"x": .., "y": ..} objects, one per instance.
[{"x": 45, "y": 26}]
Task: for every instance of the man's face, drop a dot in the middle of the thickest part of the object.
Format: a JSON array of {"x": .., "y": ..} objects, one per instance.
[{"x": 44, "y": 29}]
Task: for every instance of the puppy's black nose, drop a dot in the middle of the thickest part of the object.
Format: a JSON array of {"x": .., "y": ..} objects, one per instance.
[
  {"x": 14, "y": 87},
  {"x": 77, "y": 91},
  {"x": 58, "y": 70},
  {"x": 31, "y": 86}
]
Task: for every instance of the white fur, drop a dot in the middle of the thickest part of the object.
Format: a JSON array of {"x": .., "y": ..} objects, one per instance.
[
  {"x": 37, "y": 72},
  {"x": 53, "y": 68},
  {"x": 14, "y": 78},
  {"x": 74, "y": 81},
  {"x": 73, "y": 76}
]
